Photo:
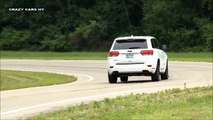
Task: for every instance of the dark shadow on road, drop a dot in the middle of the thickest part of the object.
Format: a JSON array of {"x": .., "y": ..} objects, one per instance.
[{"x": 136, "y": 81}]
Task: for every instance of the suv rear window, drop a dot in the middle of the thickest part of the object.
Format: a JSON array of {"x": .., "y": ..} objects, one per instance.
[{"x": 130, "y": 44}]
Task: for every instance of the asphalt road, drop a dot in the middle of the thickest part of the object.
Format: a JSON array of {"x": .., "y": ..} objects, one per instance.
[{"x": 92, "y": 84}]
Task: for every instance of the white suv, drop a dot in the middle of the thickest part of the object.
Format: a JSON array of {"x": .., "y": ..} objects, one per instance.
[{"x": 136, "y": 56}]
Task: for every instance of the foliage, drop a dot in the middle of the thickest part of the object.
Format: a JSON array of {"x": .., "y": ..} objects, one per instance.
[
  {"x": 91, "y": 25},
  {"x": 185, "y": 25}
]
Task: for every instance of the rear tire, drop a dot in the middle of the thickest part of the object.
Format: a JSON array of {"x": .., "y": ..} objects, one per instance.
[
  {"x": 156, "y": 75},
  {"x": 165, "y": 75},
  {"x": 124, "y": 79},
  {"x": 112, "y": 78}
]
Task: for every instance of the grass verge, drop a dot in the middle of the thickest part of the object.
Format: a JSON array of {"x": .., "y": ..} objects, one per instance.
[
  {"x": 11, "y": 79},
  {"x": 192, "y": 104},
  {"x": 197, "y": 57},
  {"x": 190, "y": 56},
  {"x": 54, "y": 55}
]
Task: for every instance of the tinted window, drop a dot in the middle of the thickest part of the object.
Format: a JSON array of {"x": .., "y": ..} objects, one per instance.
[
  {"x": 155, "y": 43},
  {"x": 130, "y": 44}
]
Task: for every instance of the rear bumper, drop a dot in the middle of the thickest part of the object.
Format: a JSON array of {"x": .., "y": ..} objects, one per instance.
[
  {"x": 131, "y": 70},
  {"x": 142, "y": 73}
]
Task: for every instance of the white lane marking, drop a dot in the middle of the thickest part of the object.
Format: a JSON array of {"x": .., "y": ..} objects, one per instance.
[
  {"x": 90, "y": 77},
  {"x": 66, "y": 101}
]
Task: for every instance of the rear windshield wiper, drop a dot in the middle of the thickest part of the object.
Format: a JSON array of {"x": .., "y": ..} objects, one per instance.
[{"x": 134, "y": 47}]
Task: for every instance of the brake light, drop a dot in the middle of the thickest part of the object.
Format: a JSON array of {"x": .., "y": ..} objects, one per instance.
[
  {"x": 147, "y": 52},
  {"x": 113, "y": 53}
]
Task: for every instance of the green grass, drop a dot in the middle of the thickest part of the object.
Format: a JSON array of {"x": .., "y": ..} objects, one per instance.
[
  {"x": 197, "y": 57},
  {"x": 21, "y": 79},
  {"x": 190, "y": 56},
  {"x": 54, "y": 55},
  {"x": 191, "y": 104}
]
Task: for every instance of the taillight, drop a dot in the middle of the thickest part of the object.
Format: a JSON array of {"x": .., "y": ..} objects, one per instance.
[
  {"x": 147, "y": 52},
  {"x": 113, "y": 53}
]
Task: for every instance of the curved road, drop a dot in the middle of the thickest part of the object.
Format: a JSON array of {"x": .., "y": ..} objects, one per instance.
[{"x": 92, "y": 84}]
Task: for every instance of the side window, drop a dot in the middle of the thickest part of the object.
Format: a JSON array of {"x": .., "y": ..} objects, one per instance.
[
  {"x": 153, "y": 43},
  {"x": 157, "y": 45}
]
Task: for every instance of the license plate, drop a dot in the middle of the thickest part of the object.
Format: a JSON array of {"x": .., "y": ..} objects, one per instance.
[{"x": 129, "y": 55}]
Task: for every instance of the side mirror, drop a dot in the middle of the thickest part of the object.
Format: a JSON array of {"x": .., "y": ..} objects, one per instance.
[{"x": 164, "y": 47}]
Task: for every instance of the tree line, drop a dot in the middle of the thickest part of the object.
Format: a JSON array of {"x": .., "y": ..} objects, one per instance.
[{"x": 92, "y": 25}]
